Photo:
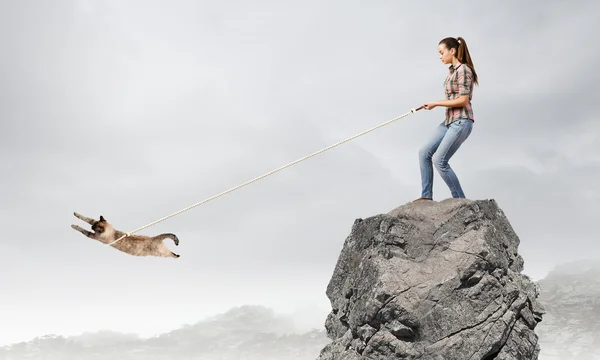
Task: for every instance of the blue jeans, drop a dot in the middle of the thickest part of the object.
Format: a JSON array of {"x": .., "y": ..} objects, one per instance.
[{"x": 444, "y": 142}]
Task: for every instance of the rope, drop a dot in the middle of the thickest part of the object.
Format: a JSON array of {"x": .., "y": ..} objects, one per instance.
[{"x": 265, "y": 175}]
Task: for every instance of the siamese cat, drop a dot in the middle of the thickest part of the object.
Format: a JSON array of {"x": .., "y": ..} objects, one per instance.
[{"x": 137, "y": 245}]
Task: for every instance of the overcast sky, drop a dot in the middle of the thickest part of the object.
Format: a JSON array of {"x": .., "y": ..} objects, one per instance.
[{"x": 136, "y": 109}]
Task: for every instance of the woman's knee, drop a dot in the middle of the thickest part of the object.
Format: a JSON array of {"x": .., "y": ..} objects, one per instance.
[
  {"x": 426, "y": 153},
  {"x": 440, "y": 162}
]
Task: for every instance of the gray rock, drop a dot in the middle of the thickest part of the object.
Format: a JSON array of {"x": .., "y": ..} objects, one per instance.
[{"x": 432, "y": 280}]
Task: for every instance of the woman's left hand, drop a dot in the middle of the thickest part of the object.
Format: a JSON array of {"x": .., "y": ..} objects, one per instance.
[{"x": 429, "y": 105}]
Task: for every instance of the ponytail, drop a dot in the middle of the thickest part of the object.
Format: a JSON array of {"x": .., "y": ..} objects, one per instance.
[
  {"x": 462, "y": 53},
  {"x": 464, "y": 56}
]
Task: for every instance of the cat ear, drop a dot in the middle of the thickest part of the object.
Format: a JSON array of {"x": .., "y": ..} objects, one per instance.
[{"x": 102, "y": 218}]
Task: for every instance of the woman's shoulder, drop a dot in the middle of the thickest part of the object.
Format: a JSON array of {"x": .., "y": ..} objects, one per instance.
[{"x": 465, "y": 68}]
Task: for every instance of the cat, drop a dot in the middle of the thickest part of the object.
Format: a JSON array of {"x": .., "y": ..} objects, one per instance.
[{"x": 137, "y": 245}]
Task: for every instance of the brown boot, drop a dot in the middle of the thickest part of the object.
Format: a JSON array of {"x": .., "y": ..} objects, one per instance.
[{"x": 422, "y": 199}]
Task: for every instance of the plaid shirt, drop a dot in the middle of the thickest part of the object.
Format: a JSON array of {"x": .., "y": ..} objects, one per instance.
[{"x": 459, "y": 82}]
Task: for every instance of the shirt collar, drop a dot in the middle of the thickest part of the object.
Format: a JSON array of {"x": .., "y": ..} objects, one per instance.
[{"x": 454, "y": 67}]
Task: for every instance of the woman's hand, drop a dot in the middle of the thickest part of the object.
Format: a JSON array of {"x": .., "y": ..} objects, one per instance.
[{"x": 430, "y": 105}]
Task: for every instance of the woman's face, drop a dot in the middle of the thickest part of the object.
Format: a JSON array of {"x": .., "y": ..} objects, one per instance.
[{"x": 445, "y": 54}]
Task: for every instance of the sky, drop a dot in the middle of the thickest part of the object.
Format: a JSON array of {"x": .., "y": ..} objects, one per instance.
[{"x": 134, "y": 110}]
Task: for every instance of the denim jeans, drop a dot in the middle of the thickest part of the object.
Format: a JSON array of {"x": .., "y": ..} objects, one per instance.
[{"x": 443, "y": 143}]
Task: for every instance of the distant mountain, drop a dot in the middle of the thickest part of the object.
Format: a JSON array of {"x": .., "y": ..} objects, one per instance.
[
  {"x": 243, "y": 333},
  {"x": 570, "y": 329}
]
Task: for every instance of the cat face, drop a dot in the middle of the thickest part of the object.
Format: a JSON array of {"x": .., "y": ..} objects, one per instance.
[{"x": 100, "y": 226}]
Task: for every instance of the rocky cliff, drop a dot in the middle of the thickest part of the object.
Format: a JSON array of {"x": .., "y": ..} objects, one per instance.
[{"x": 433, "y": 280}]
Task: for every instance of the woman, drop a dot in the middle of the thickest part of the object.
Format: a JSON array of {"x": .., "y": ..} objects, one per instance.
[{"x": 457, "y": 126}]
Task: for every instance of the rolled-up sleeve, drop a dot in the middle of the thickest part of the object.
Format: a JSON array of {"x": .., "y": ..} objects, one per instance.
[{"x": 464, "y": 80}]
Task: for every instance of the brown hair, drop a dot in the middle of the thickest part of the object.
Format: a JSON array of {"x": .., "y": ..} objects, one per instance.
[{"x": 462, "y": 53}]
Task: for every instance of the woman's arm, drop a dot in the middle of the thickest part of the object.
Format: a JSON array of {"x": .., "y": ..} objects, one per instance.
[{"x": 462, "y": 100}]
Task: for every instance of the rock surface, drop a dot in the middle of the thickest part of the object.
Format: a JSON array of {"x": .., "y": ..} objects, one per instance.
[{"x": 433, "y": 280}]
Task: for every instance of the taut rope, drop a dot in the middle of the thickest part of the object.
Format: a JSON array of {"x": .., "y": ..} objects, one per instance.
[{"x": 267, "y": 174}]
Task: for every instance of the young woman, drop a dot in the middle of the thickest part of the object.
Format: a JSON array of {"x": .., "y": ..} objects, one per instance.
[{"x": 457, "y": 125}]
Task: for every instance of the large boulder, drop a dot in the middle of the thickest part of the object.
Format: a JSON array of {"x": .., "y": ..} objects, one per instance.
[{"x": 432, "y": 280}]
